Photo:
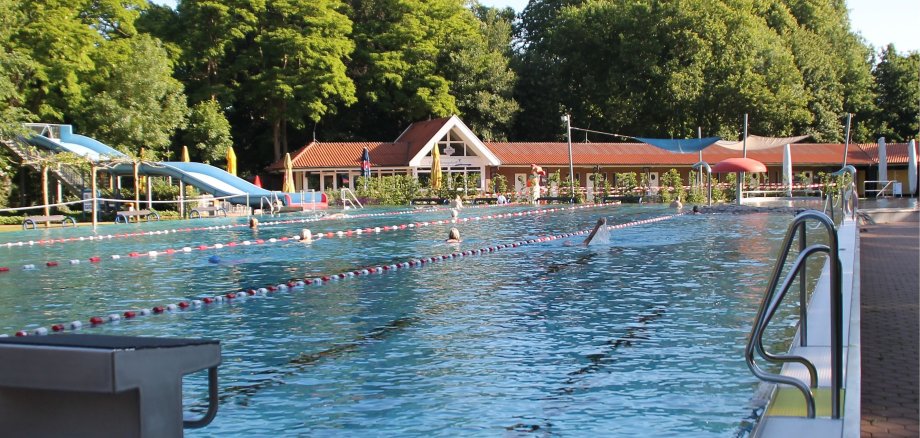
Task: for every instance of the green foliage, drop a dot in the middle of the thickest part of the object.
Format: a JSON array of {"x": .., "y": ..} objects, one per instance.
[
  {"x": 698, "y": 189},
  {"x": 11, "y": 220},
  {"x": 389, "y": 190},
  {"x": 15, "y": 67},
  {"x": 898, "y": 94},
  {"x": 293, "y": 69},
  {"x": 208, "y": 132},
  {"x": 730, "y": 193},
  {"x": 627, "y": 183},
  {"x": 666, "y": 68},
  {"x": 132, "y": 100},
  {"x": 499, "y": 184},
  {"x": 671, "y": 187}
]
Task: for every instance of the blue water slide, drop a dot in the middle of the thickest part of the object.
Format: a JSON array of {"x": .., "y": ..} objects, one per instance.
[{"x": 206, "y": 177}]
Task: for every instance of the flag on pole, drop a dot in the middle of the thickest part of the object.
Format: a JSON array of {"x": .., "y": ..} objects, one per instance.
[{"x": 366, "y": 164}]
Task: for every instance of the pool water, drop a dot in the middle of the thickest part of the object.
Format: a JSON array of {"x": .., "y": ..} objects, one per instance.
[{"x": 641, "y": 336}]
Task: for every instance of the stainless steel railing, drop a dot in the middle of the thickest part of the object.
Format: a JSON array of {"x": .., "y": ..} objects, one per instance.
[{"x": 771, "y": 303}]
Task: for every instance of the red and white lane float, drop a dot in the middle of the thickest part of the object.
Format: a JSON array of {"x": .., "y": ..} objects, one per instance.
[
  {"x": 189, "y": 305},
  {"x": 340, "y": 234},
  {"x": 214, "y": 227}
]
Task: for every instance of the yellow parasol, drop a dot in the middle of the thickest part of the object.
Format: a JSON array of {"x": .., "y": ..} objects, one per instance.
[
  {"x": 435, "y": 168},
  {"x": 288, "y": 186},
  {"x": 231, "y": 161},
  {"x": 185, "y": 158}
]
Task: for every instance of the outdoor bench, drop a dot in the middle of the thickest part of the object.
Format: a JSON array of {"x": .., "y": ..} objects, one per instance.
[
  {"x": 125, "y": 216},
  {"x": 30, "y": 222},
  {"x": 552, "y": 199},
  {"x": 196, "y": 212}
]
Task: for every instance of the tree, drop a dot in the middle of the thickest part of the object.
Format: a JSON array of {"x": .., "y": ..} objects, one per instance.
[
  {"x": 480, "y": 76},
  {"x": 208, "y": 131},
  {"x": 293, "y": 67},
  {"x": 15, "y": 69},
  {"x": 898, "y": 85},
  {"x": 64, "y": 35},
  {"x": 132, "y": 100}
]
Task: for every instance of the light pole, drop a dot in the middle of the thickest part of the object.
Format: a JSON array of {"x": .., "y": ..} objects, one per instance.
[{"x": 568, "y": 130}]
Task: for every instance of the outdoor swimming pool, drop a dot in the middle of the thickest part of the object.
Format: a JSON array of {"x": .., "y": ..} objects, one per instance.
[{"x": 642, "y": 336}]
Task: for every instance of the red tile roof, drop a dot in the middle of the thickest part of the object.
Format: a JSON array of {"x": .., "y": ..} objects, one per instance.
[
  {"x": 641, "y": 154},
  {"x": 420, "y": 133},
  {"x": 896, "y": 152},
  {"x": 346, "y": 154}
]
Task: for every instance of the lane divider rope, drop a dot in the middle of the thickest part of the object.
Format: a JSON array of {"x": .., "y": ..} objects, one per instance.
[
  {"x": 243, "y": 294},
  {"x": 330, "y": 234},
  {"x": 218, "y": 227}
]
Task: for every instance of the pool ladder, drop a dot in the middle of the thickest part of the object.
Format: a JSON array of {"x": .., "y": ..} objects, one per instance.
[{"x": 773, "y": 298}]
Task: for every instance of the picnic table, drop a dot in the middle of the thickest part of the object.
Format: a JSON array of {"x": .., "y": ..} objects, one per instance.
[
  {"x": 31, "y": 222},
  {"x": 125, "y": 216}
]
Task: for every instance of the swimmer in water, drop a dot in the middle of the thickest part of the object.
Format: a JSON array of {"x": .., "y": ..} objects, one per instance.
[
  {"x": 306, "y": 236},
  {"x": 458, "y": 203},
  {"x": 602, "y": 222},
  {"x": 454, "y": 213},
  {"x": 453, "y": 236},
  {"x": 253, "y": 223}
]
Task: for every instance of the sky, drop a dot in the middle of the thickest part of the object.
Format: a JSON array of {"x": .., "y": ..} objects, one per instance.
[{"x": 878, "y": 21}]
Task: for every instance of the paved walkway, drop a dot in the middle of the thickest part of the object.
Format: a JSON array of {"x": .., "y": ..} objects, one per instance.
[{"x": 889, "y": 264}]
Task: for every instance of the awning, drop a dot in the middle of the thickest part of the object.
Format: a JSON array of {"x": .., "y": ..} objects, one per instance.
[
  {"x": 757, "y": 143},
  {"x": 682, "y": 146}
]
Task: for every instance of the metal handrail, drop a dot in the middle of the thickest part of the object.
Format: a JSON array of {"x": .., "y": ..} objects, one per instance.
[
  {"x": 772, "y": 299},
  {"x": 878, "y": 191},
  {"x": 349, "y": 196}
]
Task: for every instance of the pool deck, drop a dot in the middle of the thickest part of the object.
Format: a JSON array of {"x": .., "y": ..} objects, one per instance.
[{"x": 889, "y": 264}]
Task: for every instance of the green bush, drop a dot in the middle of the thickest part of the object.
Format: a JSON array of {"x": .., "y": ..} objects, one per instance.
[
  {"x": 391, "y": 190},
  {"x": 499, "y": 184},
  {"x": 11, "y": 220}
]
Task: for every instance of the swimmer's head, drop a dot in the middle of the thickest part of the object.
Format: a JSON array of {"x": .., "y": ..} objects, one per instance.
[
  {"x": 454, "y": 234},
  {"x": 454, "y": 213},
  {"x": 306, "y": 235}
]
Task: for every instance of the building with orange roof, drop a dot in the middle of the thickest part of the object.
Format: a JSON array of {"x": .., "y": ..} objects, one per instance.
[{"x": 334, "y": 165}]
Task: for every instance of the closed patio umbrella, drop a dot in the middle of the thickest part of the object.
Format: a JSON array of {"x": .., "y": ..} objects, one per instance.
[
  {"x": 787, "y": 169},
  {"x": 231, "y": 161},
  {"x": 288, "y": 175},
  {"x": 185, "y": 158},
  {"x": 435, "y": 168},
  {"x": 912, "y": 167}
]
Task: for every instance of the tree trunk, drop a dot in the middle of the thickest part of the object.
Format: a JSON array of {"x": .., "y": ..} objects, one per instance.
[
  {"x": 276, "y": 132},
  {"x": 45, "y": 191},
  {"x": 284, "y": 138}
]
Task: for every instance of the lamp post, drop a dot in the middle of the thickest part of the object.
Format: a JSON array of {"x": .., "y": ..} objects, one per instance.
[{"x": 568, "y": 130}]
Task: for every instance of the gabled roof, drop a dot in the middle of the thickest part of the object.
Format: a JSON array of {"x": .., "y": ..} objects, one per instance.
[
  {"x": 423, "y": 137},
  {"x": 346, "y": 154},
  {"x": 420, "y": 134}
]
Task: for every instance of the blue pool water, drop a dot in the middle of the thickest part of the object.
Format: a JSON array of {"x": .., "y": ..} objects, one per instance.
[{"x": 642, "y": 336}]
